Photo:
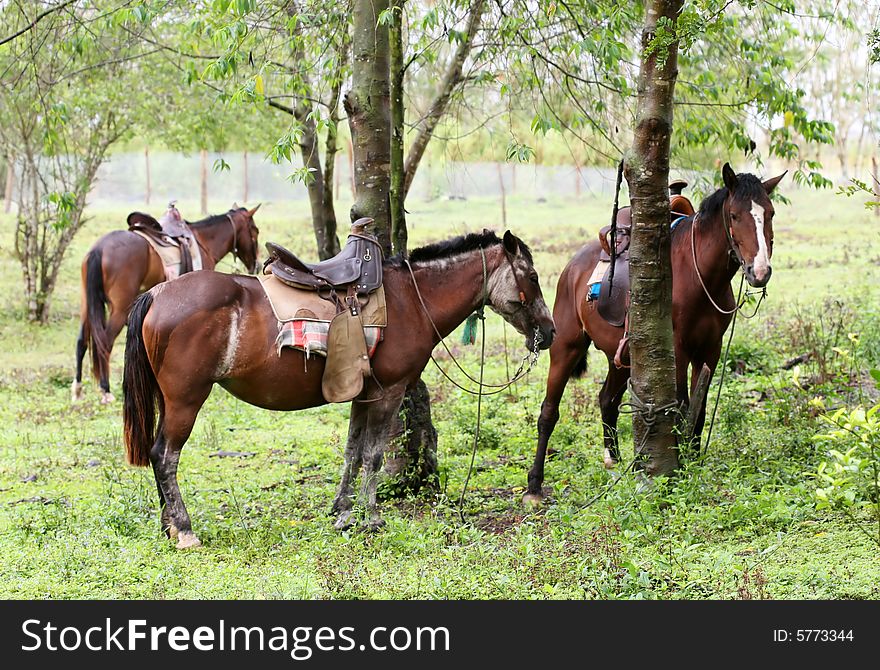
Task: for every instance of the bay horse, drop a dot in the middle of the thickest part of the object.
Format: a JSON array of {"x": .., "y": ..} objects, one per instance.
[
  {"x": 732, "y": 230},
  {"x": 122, "y": 264},
  {"x": 208, "y": 328}
]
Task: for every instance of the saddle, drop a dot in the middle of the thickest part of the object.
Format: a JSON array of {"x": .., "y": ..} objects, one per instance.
[
  {"x": 169, "y": 232},
  {"x": 612, "y": 301},
  {"x": 357, "y": 267},
  {"x": 356, "y": 273}
]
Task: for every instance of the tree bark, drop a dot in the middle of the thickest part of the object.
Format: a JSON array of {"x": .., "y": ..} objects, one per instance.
[
  {"x": 330, "y": 148},
  {"x": 369, "y": 117},
  {"x": 650, "y": 316},
  {"x": 149, "y": 184},
  {"x": 412, "y": 458},
  {"x": 398, "y": 177},
  {"x": 451, "y": 79}
]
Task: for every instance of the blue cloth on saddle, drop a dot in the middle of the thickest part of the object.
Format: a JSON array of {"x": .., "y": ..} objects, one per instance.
[
  {"x": 677, "y": 221},
  {"x": 593, "y": 293}
]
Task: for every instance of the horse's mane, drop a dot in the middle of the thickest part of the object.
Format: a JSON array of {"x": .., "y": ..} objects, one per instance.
[
  {"x": 456, "y": 246},
  {"x": 209, "y": 220},
  {"x": 749, "y": 187}
]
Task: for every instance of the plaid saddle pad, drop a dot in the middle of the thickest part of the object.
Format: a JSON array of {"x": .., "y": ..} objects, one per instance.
[{"x": 310, "y": 336}]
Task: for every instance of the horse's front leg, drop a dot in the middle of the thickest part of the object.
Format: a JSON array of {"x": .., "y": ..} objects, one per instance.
[
  {"x": 381, "y": 417},
  {"x": 357, "y": 427},
  {"x": 711, "y": 360}
]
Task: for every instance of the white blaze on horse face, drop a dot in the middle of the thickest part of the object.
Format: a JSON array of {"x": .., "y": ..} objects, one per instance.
[{"x": 761, "y": 266}]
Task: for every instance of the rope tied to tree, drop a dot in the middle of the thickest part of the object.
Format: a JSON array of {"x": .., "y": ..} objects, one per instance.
[{"x": 648, "y": 412}]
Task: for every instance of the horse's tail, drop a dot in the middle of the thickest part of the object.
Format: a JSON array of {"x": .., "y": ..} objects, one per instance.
[
  {"x": 94, "y": 325},
  {"x": 141, "y": 395},
  {"x": 580, "y": 368}
]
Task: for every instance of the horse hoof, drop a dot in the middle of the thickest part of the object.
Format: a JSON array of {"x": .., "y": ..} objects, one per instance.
[
  {"x": 76, "y": 391},
  {"x": 107, "y": 398},
  {"x": 609, "y": 460},
  {"x": 188, "y": 540},
  {"x": 533, "y": 500},
  {"x": 343, "y": 522}
]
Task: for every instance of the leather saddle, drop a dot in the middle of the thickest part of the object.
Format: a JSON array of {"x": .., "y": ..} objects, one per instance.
[
  {"x": 169, "y": 231},
  {"x": 613, "y": 301},
  {"x": 358, "y": 266}
]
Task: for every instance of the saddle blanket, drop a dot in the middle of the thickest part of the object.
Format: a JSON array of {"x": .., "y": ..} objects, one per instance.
[
  {"x": 170, "y": 255},
  {"x": 311, "y": 337}
]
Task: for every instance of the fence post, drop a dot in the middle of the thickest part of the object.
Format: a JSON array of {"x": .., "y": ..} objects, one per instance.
[
  {"x": 246, "y": 184},
  {"x": 149, "y": 192},
  {"x": 503, "y": 195},
  {"x": 204, "y": 153}
]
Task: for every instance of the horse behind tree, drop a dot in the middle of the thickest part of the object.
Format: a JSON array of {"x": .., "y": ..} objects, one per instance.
[{"x": 732, "y": 230}]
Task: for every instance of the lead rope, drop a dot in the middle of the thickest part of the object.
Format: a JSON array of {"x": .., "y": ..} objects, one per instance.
[{"x": 482, "y": 317}]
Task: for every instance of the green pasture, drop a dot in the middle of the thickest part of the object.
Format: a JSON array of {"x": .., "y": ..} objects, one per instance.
[{"x": 76, "y": 522}]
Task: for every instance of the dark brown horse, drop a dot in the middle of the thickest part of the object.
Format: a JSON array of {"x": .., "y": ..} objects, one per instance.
[
  {"x": 733, "y": 229},
  {"x": 209, "y": 328},
  {"x": 122, "y": 264}
]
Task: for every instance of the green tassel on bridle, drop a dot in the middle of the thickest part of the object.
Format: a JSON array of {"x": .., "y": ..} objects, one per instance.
[{"x": 469, "y": 336}]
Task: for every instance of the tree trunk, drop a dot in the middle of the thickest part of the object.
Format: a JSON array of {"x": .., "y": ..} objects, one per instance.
[
  {"x": 451, "y": 79},
  {"x": 650, "y": 315},
  {"x": 331, "y": 238},
  {"x": 369, "y": 118},
  {"x": 204, "y": 186},
  {"x": 398, "y": 177},
  {"x": 876, "y": 177},
  {"x": 10, "y": 182},
  {"x": 413, "y": 456},
  {"x": 311, "y": 157}
]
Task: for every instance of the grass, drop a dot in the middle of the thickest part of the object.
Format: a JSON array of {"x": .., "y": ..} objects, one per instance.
[{"x": 75, "y": 522}]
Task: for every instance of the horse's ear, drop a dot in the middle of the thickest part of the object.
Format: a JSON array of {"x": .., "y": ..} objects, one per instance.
[
  {"x": 770, "y": 184},
  {"x": 253, "y": 211},
  {"x": 729, "y": 177},
  {"x": 511, "y": 244}
]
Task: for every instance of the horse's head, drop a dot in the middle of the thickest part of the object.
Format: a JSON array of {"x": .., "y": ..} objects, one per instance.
[
  {"x": 748, "y": 218},
  {"x": 515, "y": 293},
  {"x": 246, "y": 236}
]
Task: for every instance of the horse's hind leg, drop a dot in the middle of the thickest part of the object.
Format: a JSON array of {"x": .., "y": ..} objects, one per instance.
[
  {"x": 175, "y": 427},
  {"x": 609, "y": 404},
  {"x": 566, "y": 353},
  {"x": 357, "y": 426},
  {"x": 114, "y": 327},
  {"x": 81, "y": 348},
  {"x": 380, "y": 421}
]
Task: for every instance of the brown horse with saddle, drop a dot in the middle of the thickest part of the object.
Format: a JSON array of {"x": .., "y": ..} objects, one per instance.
[
  {"x": 272, "y": 342},
  {"x": 124, "y": 263},
  {"x": 732, "y": 230}
]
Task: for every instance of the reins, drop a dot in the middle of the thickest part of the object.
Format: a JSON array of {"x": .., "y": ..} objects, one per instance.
[
  {"x": 732, "y": 247},
  {"x": 531, "y": 358}
]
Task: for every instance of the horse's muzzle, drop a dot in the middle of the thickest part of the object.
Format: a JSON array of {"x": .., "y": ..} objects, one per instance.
[{"x": 756, "y": 281}]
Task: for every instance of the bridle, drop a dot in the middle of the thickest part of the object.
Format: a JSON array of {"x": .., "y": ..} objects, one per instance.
[
  {"x": 733, "y": 250},
  {"x": 531, "y": 358},
  {"x": 235, "y": 239}
]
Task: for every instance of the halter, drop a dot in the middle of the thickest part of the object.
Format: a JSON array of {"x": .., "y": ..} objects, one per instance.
[
  {"x": 733, "y": 249},
  {"x": 234, "y": 238},
  {"x": 531, "y": 358}
]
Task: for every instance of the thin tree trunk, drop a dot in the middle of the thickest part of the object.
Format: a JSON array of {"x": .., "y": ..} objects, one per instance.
[
  {"x": 398, "y": 177},
  {"x": 331, "y": 238},
  {"x": 451, "y": 79},
  {"x": 876, "y": 182},
  {"x": 149, "y": 184},
  {"x": 311, "y": 156},
  {"x": 650, "y": 315},
  {"x": 10, "y": 183},
  {"x": 204, "y": 187}
]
